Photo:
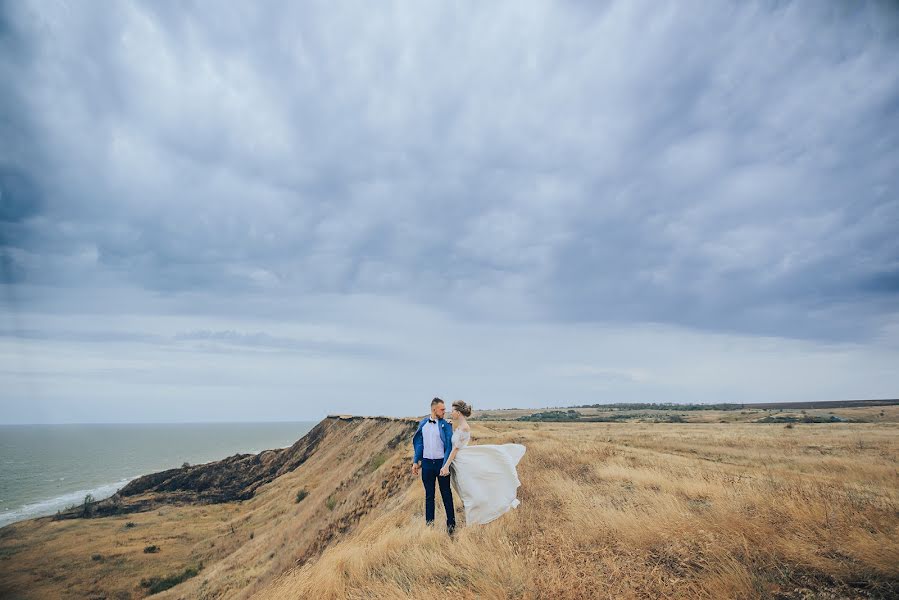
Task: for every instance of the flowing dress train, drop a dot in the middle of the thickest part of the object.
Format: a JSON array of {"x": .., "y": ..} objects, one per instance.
[{"x": 485, "y": 478}]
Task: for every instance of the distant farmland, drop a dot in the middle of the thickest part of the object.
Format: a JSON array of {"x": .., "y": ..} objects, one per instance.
[{"x": 852, "y": 411}]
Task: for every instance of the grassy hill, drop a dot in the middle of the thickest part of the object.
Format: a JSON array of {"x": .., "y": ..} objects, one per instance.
[
  {"x": 621, "y": 510},
  {"x": 346, "y": 467}
]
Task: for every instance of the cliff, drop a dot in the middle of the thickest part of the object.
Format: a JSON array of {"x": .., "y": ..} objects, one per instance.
[
  {"x": 232, "y": 479},
  {"x": 236, "y": 522}
]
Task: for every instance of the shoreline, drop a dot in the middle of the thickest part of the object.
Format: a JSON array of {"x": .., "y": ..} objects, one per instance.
[
  {"x": 41, "y": 474},
  {"x": 48, "y": 507}
]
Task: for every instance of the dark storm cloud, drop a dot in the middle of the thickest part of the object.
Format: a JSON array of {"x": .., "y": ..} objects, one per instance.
[{"x": 730, "y": 168}]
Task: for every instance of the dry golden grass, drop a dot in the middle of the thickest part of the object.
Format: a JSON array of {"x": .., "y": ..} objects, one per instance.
[
  {"x": 631, "y": 510},
  {"x": 53, "y": 559},
  {"x": 242, "y": 546},
  {"x": 609, "y": 510}
]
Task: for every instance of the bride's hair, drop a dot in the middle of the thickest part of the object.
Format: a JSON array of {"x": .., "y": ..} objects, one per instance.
[{"x": 462, "y": 407}]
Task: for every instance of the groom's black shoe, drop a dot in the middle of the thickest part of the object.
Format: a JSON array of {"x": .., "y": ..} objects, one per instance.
[{"x": 451, "y": 530}]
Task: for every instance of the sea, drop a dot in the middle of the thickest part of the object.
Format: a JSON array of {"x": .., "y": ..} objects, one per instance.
[{"x": 44, "y": 468}]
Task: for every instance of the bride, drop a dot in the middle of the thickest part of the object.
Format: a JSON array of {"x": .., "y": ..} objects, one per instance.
[{"x": 484, "y": 476}]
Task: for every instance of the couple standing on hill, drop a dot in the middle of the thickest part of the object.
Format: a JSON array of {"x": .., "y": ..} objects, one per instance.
[{"x": 483, "y": 476}]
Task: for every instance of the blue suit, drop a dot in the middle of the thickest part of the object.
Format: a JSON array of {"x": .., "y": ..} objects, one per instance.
[
  {"x": 430, "y": 472},
  {"x": 446, "y": 434}
]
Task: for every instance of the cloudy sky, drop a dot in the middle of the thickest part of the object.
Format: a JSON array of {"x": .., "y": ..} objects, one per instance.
[{"x": 277, "y": 211}]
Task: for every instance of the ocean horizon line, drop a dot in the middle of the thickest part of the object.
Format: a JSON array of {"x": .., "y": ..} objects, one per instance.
[
  {"x": 46, "y": 466},
  {"x": 162, "y": 422}
]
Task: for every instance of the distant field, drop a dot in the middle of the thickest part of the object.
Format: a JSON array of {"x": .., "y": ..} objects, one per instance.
[
  {"x": 865, "y": 411},
  {"x": 826, "y": 404}
]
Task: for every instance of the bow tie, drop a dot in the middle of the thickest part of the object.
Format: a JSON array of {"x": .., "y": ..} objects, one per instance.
[{"x": 431, "y": 421}]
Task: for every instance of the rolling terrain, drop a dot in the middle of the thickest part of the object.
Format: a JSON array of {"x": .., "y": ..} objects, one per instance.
[
  {"x": 608, "y": 509},
  {"x": 235, "y": 523}
]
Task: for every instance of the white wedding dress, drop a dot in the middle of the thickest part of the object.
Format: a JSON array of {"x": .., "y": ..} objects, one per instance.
[{"x": 484, "y": 477}]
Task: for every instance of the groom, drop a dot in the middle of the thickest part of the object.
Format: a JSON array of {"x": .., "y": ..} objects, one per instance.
[{"x": 433, "y": 442}]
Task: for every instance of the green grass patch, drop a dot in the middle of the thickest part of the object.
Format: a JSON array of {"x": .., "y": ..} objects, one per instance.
[
  {"x": 375, "y": 462},
  {"x": 159, "y": 584}
]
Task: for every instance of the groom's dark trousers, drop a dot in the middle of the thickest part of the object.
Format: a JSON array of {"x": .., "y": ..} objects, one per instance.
[{"x": 430, "y": 470}]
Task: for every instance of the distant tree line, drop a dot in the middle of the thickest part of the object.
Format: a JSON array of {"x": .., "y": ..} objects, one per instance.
[
  {"x": 573, "y": 415},
  {"x": 552, "y": 415},
  {"x": 663, "y": 406}
]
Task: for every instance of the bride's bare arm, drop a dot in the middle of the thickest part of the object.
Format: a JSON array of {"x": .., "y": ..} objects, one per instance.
[{"x": 445, "y": 470}]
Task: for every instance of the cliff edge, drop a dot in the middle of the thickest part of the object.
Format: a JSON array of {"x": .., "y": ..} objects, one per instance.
[{"x": 219, "y": 529}]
